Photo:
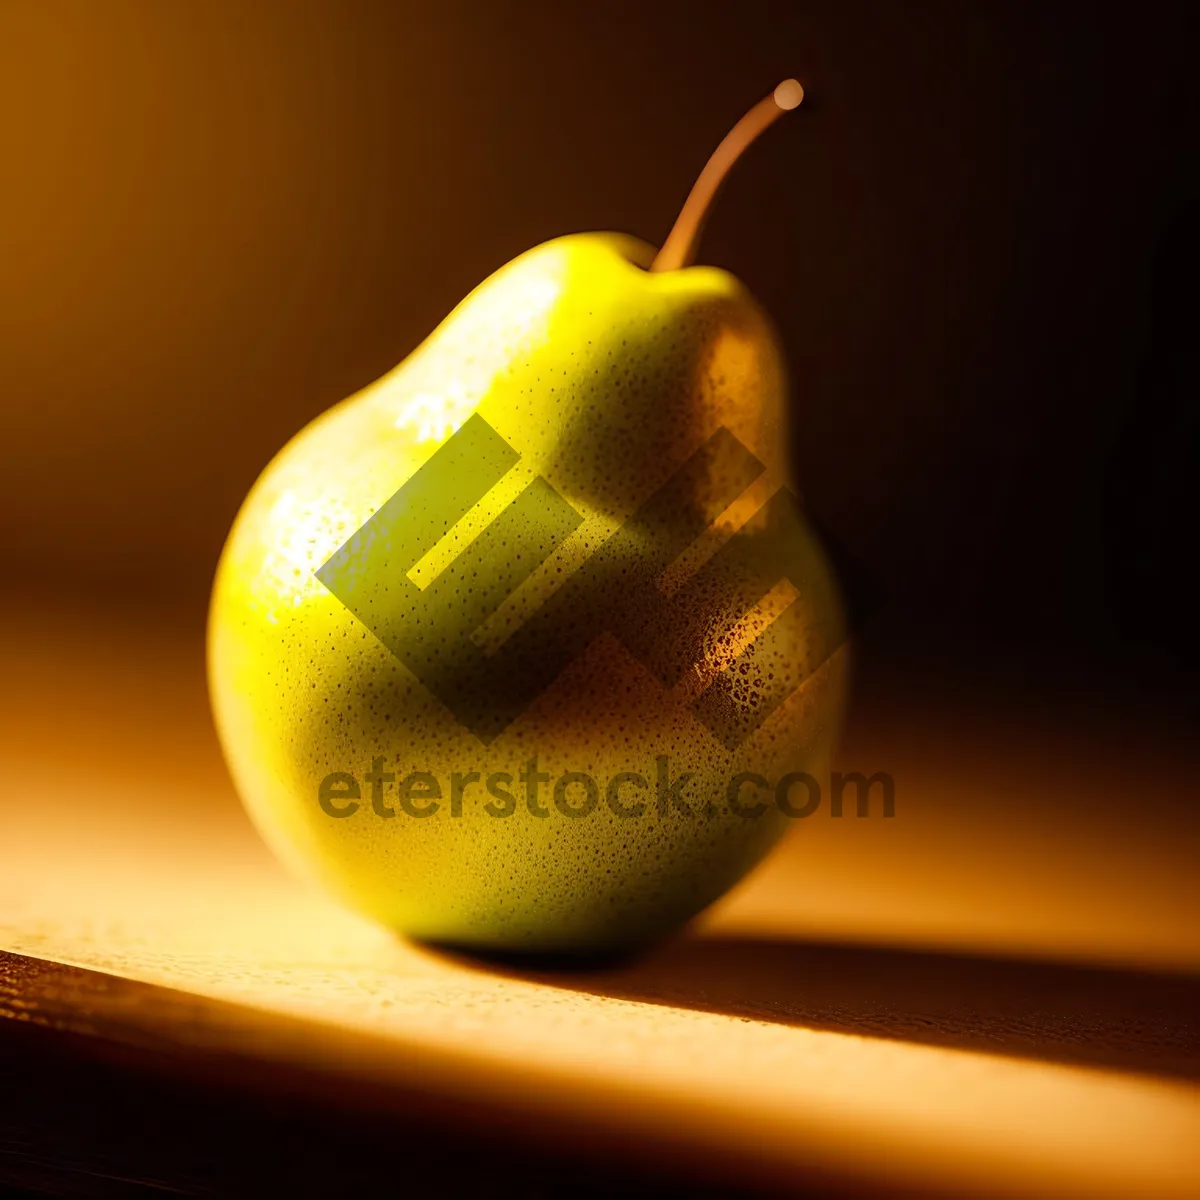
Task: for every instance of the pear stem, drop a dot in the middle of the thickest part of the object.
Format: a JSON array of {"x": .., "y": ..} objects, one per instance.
[{"x": 679, "y": 250}]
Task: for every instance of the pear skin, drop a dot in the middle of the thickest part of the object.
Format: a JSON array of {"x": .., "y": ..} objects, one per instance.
[{"x": 497, "y": 733}]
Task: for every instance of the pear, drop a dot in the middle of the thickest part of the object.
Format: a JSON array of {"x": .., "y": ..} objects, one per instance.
[{"x": 527, "y": 646}]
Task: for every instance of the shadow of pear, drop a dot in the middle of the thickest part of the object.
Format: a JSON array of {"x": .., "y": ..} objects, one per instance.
[{"x": 1123, "y": 1019}]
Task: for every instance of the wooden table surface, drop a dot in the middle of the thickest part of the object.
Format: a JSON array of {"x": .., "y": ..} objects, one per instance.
[{"x": 993, "y": 993}]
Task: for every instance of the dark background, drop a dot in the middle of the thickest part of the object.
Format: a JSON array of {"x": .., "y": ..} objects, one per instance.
[{"x": 219, "y": 218}]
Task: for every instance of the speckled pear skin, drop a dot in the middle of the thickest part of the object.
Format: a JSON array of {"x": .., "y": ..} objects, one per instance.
[{"x": 604, "y": 378}]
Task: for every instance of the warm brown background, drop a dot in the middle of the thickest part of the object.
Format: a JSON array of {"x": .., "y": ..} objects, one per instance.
[{"x": 218, "y": 218}]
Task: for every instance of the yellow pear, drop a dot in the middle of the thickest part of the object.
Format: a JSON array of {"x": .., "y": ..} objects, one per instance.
[{"x": 526, "y": 646}]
